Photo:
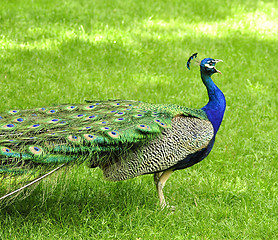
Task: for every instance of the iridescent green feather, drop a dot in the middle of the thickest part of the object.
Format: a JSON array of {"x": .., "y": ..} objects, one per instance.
[{"x": 70, "y": 133}]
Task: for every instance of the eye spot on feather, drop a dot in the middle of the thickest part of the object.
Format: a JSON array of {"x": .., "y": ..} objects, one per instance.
[
  {"x": 6, "y": 150},
  {"x": 79, "y": 116},
  {"x": 71, "y": 107},
  {"x": 128, "y": 109},
  {"x": 114, "y": 134},
  {"x": 92, "y": 117},
  {"x": 55, "y": 120},
  {"x": 97, "y": 103},
  {"x": 34, "y": 115},
  {"x": 139, "y": 115},
  {"x": 73, "y": 138},
  {"x": 19, "y": 120},
  {"x": 51, "y": 111},
  {"x": 90, "y": 107},
  {"x": 34, "y": 126},
  {"x": 119, "y": 119},
  {"x": 143, "y": 127},
  {"x": 160, "y": 123},
  {"x": 9, "y": 126},
  {"x": 63, "y": 122},
  {"x": 1, "y": 117},
  {"x": 105, "y": 128},
  {"x": 89, "y": 137},
  {"x": 163, "y": 125},
  {"x": 119, "y": 113},
  {"x": 13, "y": 111},
  {"x": 113, "y": 111},
  {"x": 36, "y": 150},
  {"x": 42, "y": 109}
]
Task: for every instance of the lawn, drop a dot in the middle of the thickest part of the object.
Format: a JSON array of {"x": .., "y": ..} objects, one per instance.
[{"x": 64, "y": 52}]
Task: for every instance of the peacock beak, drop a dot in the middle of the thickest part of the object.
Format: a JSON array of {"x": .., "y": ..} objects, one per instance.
[
  {"x": 217, "y": 71},
  {"x": 216, "y": 61}
]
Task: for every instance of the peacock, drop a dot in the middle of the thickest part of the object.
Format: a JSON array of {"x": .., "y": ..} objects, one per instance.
[{"x": 124, "y": 138}]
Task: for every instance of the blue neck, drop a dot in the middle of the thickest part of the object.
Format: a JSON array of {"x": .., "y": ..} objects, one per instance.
[{"x": 215, "y": 108}]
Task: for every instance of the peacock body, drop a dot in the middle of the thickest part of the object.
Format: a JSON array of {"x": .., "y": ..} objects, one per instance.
[{"x": 123, "y": 138}]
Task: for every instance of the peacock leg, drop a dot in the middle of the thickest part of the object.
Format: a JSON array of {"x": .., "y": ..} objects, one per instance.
[{"x": 160, "y": 180}]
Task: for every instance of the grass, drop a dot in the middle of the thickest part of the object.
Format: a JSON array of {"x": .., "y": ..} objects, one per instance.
[{"x": 73, "y": 50}]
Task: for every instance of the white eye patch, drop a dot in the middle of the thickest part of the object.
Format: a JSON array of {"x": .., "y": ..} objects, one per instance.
[{"x": 208, "y": 66}]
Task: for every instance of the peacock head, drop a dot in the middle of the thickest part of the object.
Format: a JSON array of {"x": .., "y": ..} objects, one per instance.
[{"x": 207, "y": 65}]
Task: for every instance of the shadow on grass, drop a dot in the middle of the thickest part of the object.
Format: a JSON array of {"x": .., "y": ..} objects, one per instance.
[{"x": 71, "y": 199}]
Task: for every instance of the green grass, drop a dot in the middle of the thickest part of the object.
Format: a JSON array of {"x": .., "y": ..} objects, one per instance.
[{"x": 73, "y": 50}]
